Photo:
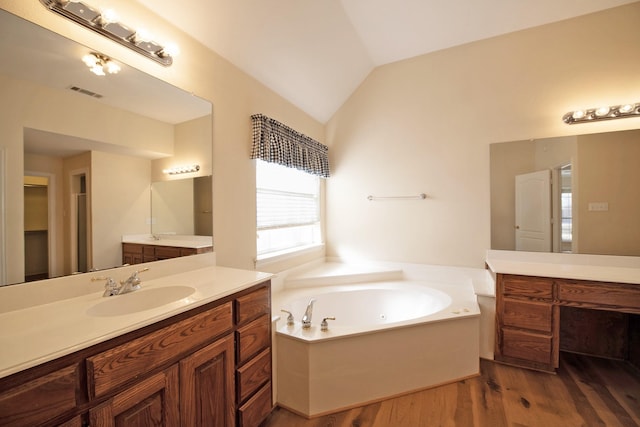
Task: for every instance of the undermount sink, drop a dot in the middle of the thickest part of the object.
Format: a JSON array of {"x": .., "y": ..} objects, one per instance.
[{"x": 143, "y": 299}]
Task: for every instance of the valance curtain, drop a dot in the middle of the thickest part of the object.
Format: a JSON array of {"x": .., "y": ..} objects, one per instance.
[{"x": 277, "y": 143}]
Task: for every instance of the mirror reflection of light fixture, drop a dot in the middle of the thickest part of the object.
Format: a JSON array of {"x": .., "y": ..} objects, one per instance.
[
  {"x": 602, "y": 113},
  {"x": 181, "y": 169},
  {"x": 100, "y": 64},
  {"x": 107, "y": 24}
]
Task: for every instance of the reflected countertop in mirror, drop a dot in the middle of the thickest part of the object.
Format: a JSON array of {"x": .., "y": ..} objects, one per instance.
[{"x": 174, "y": 240}]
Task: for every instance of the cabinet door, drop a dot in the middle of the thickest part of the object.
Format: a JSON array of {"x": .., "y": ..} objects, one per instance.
[
  {"x": 528, "y": 315},
  {"x": 151, "y": 402},
  {"x": 41, "y": 399},
  {"x": 207, "y": 386}
]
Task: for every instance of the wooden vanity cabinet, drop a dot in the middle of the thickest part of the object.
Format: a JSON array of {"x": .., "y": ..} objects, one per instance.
[
  {"x": 526, "y": 322},
  {"x": 528, "y": 327},
  {"x": 39, "y": 398},
  {"x": 253, "y": 357},
  {"x": 181, "y": 371},
  {"x": 136, "y": 253},
  {"x": 153, "y": 401}
]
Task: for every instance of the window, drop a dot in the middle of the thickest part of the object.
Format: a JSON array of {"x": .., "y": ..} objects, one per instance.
[
  {"x": 566, "y": 208},
  {"x": 288, "y": 209}
]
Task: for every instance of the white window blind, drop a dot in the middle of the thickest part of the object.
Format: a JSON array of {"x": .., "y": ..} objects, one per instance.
[{"x": 288, "y": 208}]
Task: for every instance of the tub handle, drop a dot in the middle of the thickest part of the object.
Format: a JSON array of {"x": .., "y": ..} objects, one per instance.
[
  {"x": 324, "y": 325},
  {"x": 289, "y": 317}
]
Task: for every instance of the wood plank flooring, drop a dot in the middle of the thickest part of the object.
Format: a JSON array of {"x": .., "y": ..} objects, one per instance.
[{"x": 586, "y": 391}]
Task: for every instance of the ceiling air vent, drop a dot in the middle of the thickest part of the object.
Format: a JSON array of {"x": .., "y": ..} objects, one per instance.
[{"x": 85, "y": 92}]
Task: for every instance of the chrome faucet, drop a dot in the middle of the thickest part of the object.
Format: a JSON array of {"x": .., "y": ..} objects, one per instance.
[
  {"x": 131, "y": 284},
  {"x": 111, "y": 288},
  {"x": 306, "y": 319}
]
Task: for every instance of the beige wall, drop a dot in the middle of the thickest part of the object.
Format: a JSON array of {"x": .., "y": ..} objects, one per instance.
[
  {"x": 506, "y": 161},
  {"x": 173, "y": 207},
  {"x": 609, "y": 173},
  {"x": 234, "y": 95},
  {"x": 509, "y": 159},
  {"x": 420, "y": 125},
  {"x": 192, "y": 145},
  {"x": 119, "y": 205},
  {"x": 26, "y": 105},
  {"x": 424, "y": 125}
]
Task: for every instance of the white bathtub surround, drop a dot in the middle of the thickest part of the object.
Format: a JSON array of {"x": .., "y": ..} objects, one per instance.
[
  {"x": 395, "y": 340},
  {"x": 331, "y": 375}
]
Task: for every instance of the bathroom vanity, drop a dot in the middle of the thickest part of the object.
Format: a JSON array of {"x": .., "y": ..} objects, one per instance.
[
  {"x": 201, "y": 360},
  {"x": 139, "y": 249},
  {"x": 551, "y": 302}
]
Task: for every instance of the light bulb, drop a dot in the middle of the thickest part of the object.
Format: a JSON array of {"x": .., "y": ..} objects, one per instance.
[
  {"x": 171, "y": 49},
  {"x": 627, "y": 108},
  {"x": 112, "y": 67},
  {"x": 578, "y": 114},
  {"x": 602, "y": 111},
  {"x": 109, "y": 16},
  {"x": 90, "y": 60},
  {"x": 142, "y": 35},
  {"x": 97, "y": 70}
]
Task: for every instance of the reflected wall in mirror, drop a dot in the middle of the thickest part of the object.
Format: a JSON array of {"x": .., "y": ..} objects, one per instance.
[
  {"x": 97, "y": 141},
  {"x": 595, "y": 176},
  {"x": 182, "y": 207}
]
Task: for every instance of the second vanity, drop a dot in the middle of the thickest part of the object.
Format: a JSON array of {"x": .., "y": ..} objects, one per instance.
[
  {"x": 137, "y": 249},
  {"x": 546, "y": 303},
  {"x": 192, "y": 348}
]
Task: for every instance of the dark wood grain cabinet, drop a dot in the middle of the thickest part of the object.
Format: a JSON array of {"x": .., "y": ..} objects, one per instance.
[
  {"x": 526, "y": 321},
  {"x": 253, "y": 357},
  {"x": 137, "y": 253},
  {"x": 210, "y": 367},
  {"x": 528, "y": 316}
]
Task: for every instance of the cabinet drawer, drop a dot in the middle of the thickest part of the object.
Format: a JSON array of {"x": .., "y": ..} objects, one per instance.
[
  {"x": 163, "y": 252},
  {"x": 253, "y": 338},
  {"x": 40, "y": 400},
  {"x": 254, "y": 374},
  {"x": 252, "y": 305},
  {"x": 256, "y": 409},
  {"x": 527, "y": 346},
  {"x": 527, "y": 315},
  {"x": 117, "y": 366},
  {"x": 620, "y": 297},
  {"x": 188, "y": 251},
  {"x": 527, "y": 286},
  {"x": 132, "y": 248}
]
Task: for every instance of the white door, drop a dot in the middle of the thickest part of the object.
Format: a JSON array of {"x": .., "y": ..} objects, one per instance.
[{"x": 533, "y": 211}]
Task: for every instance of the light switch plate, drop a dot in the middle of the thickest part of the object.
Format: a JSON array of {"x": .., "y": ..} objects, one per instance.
[{"x": 598, "y": 206}]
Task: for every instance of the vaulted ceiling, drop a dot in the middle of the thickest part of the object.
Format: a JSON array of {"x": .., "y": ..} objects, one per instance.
[{"x": 316, "y": 53}]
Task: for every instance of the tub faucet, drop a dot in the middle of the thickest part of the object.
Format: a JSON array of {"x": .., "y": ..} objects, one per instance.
[{"x": 306, "y": 319}]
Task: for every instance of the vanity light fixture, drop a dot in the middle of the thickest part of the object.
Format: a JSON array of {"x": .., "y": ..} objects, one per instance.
[
  {"x": 107, "y": 24},
  {"x": 602, "y": 113},
  {"x": 100, "y": 64},
  {"x": 181, "y": 169}
]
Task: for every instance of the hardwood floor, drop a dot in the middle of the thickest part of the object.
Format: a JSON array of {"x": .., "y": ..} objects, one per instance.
[{"x": 586, "y": 391}]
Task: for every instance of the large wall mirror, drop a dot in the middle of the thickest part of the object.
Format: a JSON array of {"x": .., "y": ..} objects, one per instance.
[
  {"x": 81, "y": 152},
  {"x": 575, "y": 194}
]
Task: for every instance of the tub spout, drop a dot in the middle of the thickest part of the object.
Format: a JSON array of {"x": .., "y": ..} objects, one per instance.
[{"x": 306, "y": 319}]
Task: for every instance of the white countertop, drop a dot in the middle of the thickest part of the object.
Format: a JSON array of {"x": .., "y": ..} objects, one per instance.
[
  {"x": 174, "y": 240},
  {"x": 602, "y": 268},
  {"x": 37, "y": 334}
]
